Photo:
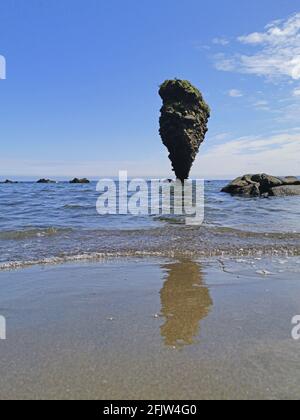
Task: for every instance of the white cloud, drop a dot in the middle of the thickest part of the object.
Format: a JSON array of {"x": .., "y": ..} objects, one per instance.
[
  {"x": 35, "y": 169},
  {"x": 278, "y": 155},
  {"x": 224, "y": 63},
  {"x": 235, "y": 93},
  {"x": 296, "y": 92},
  {"x": 278, "y": 55},
  {"x": 220, "y": 41},
  {"x": 221, "y": 136},
  {"x": 262, "y": 105},
  {"x": 289, "y": 113}
]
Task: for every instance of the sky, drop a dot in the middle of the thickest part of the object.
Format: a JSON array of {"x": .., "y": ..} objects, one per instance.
[{"x": 80, "y": 97}]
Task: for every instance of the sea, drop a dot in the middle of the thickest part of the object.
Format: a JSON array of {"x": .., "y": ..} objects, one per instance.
[{"x": 56, "y": 223}]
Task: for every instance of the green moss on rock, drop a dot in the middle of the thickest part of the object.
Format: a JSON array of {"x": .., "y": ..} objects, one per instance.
[{"x": 184, "y": 91}]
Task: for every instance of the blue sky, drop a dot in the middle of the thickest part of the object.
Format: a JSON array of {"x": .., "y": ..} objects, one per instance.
[{"x": 80, "y": 95}]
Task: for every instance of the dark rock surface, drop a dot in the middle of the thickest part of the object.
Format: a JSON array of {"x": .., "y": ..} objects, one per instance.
[
  {"x": 8, "y": 181},
  {"x": 183, "y": 123},
  {"x": 79, "y": 181},
  {"x": 45, "y": 181},
  {"x": 263, "y": 185}
]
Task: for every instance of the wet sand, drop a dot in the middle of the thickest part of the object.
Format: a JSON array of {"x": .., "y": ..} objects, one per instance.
[{"x": 151, "y": 329}]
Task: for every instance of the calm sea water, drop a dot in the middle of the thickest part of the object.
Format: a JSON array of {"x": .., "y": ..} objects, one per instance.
[{"x": 42, "y": 223}]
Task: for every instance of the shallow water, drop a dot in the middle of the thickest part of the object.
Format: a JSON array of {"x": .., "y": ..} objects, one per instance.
[
  {"x": 152, "y": 329},
  {"x": 59, "y": 222}
]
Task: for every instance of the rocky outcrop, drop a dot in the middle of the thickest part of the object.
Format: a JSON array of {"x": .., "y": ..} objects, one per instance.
[
  {"x": 263, "y": 185},
  {"x": 79, "y": 181},
  {"x": 8, "y": 181},
  {"x": 285, "y": 190},
  {"x": 45, "y": 181},
  {"x": 183, "y": 123}
]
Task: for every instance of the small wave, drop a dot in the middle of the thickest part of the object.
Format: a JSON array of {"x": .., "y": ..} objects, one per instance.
[
  {"x": 77, "y": 207},
  {"x": 12, "y": 204},
  {"x": 32, "y": 233},
  {"x": 223, "y": 230},
  {"x": 179, "y": 220},
  {"x": 95, "y": 256},
  {"x": 103, "y": 256}
]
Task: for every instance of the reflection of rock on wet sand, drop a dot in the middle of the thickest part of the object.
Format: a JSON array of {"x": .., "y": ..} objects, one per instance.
[{"x": 185, "y": 301}]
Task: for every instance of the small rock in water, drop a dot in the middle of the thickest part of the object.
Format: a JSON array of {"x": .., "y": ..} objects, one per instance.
[
  {"x": 80, "y": 181},
  {"x": 45, "y": 181},
  {"x": 8, "y": 181}
]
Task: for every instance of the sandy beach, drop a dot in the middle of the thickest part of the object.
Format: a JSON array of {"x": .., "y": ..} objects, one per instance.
[{"x": 151, "y": 329}]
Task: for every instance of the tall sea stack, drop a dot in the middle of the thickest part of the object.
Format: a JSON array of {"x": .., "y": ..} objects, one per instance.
[{"x": 183, "y": 123}]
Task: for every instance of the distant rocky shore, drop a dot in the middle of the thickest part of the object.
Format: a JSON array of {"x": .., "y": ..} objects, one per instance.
[
  {"x": 263, "y": 185},
  {"x": 73, "y": 181},
  {"x": 49, "y": 181}
]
